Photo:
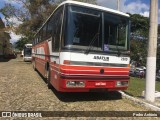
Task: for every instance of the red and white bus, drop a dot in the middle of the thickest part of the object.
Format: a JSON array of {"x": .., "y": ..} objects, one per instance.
[{"x": 83, "y": 47}]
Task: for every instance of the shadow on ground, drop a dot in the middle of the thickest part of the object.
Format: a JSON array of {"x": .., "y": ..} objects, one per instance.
[
  {"x": 87, "y": 96},
  {"x": 4, "y": 60},
  {"x": 128, "y": 93}
]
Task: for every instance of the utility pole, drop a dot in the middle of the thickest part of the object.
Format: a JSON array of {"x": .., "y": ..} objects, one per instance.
[
  {"x": 118, "y": 6},
  {"x": 152, "y": 51}
]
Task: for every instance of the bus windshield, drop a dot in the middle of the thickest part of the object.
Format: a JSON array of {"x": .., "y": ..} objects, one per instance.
[
  {"x": 27, "y": 51},
  {"x": 84, "y": 29}
]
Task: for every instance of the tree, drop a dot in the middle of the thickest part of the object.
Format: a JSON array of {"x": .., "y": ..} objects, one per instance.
[
  {"x": 138, "y": 51},
  {"x": 139, "y": 26},
  {"x": 21, "y": 42},
  {"x": 139, "y": 37},
  {"x": 32, "y": 14}
]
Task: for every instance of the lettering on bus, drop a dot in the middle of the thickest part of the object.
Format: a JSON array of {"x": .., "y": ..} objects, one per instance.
[{"x": 101, "y": 58}]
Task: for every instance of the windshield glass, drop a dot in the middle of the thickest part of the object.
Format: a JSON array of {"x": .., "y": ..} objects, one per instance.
[
  {"x": 27, "y": 52},
  {"x": 95, "y": 30},
  {"x": 115, "y": 32},
  {"x": 83, "y": 26}
]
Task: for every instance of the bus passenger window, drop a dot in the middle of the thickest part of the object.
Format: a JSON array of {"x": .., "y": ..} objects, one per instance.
[{"x": 57, "y": 29}]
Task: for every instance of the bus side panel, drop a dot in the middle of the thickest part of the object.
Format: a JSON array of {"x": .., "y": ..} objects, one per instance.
[
  {"x": 41, "y": 57},
  {"x": 54, "y": 66},
  {"x": 40, "y": 65},
  {"x": 54, "y": 69}
]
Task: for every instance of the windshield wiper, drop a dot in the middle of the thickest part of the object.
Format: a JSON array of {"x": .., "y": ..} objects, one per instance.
[
  {"x": 118, "y": 52},
  {"x": 92, "y": 41}
]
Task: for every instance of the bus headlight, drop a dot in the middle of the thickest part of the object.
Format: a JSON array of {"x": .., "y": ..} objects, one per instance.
[
  {"x": 75, "y": 84},
  {"x": 121, "y": 83}
]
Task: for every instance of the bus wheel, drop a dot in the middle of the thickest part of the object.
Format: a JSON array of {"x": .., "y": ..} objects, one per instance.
[
  {"x": 34, "y": 65},
  {"x": 49, "y": 79}
]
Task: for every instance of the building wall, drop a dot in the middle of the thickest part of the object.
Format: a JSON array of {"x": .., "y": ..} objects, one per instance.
[{"x": 5, "y": 47}]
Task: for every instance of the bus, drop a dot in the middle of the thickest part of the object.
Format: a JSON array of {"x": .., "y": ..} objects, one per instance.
[
  {"x": 83, "y": 48},
  {"x": 27, "y": 52}
]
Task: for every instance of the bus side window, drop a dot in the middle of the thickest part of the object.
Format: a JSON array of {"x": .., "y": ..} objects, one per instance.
[
  {"x": 40, "y": 35},
  {"x": 37, "y": 40},
  {"x": 57, "y": 29},
  {"x": 44, "y": 32},
  {"x": 50, "y": 27},
  {"x": 54, "y": 30},
  {"x": 33, "y": 42}
]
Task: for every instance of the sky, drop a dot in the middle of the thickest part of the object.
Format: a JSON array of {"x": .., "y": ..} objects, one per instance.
[{"x": 131, "y": 6}]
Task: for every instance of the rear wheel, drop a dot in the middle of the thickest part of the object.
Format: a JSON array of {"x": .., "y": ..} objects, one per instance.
[
  {"x": 34, "y": 65},
  {"x": 48, "y": 77}
]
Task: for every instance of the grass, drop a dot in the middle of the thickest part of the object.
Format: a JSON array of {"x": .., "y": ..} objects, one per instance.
[{"x": 137, "y": 85}]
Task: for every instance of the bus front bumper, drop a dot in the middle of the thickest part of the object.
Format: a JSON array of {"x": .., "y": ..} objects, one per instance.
[
  {"x": 27, "y": 59},
  {"x": 71, "y": 85}
]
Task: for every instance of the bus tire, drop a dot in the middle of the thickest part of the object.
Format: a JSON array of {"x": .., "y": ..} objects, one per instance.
[
  {"x": 34, "y": 65},
  {"x": 49, "y": 85}
]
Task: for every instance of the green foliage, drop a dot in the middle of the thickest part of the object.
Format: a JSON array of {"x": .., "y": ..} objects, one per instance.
[
  {"x": 138, "y": 51},
  {"x": 138, "y": 48},
  {"x": 137, "y": 85},
  {"x": 139, "y": 25},
  {"x": 139, "y": 37},
  {"x": 32, "y": 14},
  {"x": 20, "y": 43}
]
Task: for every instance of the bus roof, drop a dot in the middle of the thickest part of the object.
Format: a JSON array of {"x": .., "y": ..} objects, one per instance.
[
  {"x": 28, "y": 44},
  {"x": 94, "y": 6},
  {"x": 86, "y": 5}
]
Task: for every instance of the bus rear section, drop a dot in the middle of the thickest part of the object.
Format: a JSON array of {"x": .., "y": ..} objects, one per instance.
[{"x": 27, "y": 52}]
